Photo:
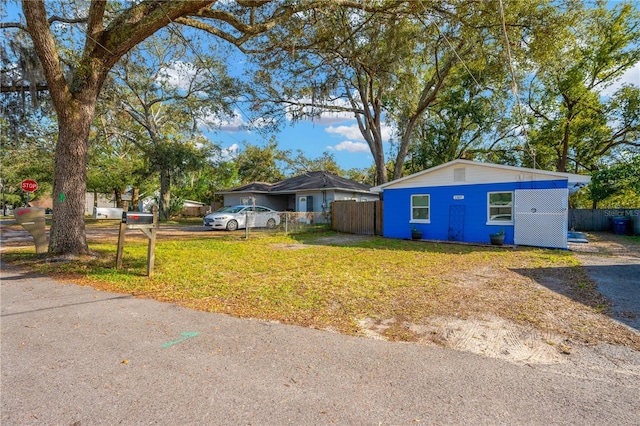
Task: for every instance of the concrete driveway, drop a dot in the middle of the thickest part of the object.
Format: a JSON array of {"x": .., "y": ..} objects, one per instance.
[
  {"x": 613, "y": 262},
  {"x": 72, "y": 355}
]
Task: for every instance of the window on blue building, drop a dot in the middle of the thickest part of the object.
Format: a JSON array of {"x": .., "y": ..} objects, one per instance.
[
  {"x": 420, "y": 209},
  {"x": 500, "y": 207}
]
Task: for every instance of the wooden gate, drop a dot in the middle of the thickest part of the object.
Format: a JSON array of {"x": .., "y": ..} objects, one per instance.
[{"x": 357, "y": 217}]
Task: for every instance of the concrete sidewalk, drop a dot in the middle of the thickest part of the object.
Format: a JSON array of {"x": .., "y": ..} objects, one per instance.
[{"x": 74, "y": 355}]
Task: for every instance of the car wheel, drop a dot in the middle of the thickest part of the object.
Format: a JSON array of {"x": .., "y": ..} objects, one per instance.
[
  {"x": 232, "y": 225},
  {"x": 271, "y": 223}
]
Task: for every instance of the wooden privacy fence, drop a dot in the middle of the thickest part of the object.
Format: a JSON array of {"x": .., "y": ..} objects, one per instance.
[
  {"x": 600, "y": 219},
  {"x": 357, "y": 217}
]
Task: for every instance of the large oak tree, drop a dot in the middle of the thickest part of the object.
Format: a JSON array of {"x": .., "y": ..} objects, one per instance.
[{"x": 108, "y": 34}]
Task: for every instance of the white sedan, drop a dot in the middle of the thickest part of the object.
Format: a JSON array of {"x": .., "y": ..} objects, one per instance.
[{"x": 236, "y": 217}]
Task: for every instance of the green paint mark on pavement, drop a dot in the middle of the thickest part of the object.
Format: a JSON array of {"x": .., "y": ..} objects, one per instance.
[{"x": 186, "y": 335}]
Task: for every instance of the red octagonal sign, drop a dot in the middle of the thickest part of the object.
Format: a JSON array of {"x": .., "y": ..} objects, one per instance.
[{"x": 29, "y": 185}]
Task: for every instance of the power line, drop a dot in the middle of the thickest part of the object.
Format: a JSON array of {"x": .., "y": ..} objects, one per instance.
[{"x": 514, "y": 86}]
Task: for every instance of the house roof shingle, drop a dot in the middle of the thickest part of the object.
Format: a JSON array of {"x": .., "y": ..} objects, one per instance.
[
  {"x": 252, "y": 187},
  {"x": 305, "y": 182}
]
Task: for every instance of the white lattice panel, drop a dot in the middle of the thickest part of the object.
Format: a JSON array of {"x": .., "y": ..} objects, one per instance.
[{"x": 540, "y": 217}]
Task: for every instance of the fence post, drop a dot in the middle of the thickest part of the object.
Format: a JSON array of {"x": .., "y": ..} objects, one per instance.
[{"x": 286, "y": 223}]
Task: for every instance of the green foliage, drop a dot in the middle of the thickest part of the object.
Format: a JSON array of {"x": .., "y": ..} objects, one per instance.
[
  {"x": 407, "y": 62},
  {"x": 363, "y": 176},
  {"x": 467, "y": 118},
  {"x": 574, "y": 126},
  {"x": 176, "y": 205},
  {"x": 202, "y": 184},
  {"x": 326, "y": 163},
  {"x": 617, "y": 185},
  {"x": 256, "y": 164},
  {"x": 27, "y": 140}
]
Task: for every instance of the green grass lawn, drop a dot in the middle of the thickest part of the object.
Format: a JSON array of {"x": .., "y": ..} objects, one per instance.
[{"x": 316, "y": 280}]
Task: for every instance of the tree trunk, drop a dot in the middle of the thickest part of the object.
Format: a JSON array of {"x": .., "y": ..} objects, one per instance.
[
  {"x": 378, "y": 158},
  {"x": 135, "y": 199},
  {"x": 403, "y": 151},
  {"x": 562, "y": 161},
  {"x": 118, "y": 196},
  {"x": 67, "y": 233},
  {"x": 165, "y": 195}
]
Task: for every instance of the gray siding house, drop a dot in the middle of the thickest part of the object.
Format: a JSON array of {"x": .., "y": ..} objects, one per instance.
[{"x": 308, "y": 192}]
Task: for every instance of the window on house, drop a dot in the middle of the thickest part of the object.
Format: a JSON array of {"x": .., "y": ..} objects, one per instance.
[
  {"x": 500, "y": 207},
  {"x": 420, "y": 208}
]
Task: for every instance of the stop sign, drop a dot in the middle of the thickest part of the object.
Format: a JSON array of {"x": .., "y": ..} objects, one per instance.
[{"x": 29, "y": 185}]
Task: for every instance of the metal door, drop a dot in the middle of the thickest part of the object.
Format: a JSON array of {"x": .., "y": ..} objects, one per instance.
[
  {"x": 541, "y": 217},
  {"x": 456, "y": 222}
]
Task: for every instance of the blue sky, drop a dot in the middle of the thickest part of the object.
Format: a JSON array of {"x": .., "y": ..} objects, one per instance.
[{"x": 337, "y": 135}]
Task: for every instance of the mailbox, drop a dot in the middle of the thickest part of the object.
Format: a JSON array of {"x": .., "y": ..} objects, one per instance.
[
  {"x": 145, "y": 222},
  {"x": 137, "y": 218},
  {"x": 107, "y": 213}
]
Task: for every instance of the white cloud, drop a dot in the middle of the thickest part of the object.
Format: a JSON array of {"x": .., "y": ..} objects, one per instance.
[
  {"x": 352, "y": 132},
  {"x": 333, "y": 117},
  {"x": 261, "y": 122},
  {"x": 227, "y": 154},
  {"x": 631, "y": 76},
  {"x": 232, "y": 124},
  {"x": 230, "y": 152},
  {"x": 350, "y": 147},
  {"x": 179, "y": 74}
]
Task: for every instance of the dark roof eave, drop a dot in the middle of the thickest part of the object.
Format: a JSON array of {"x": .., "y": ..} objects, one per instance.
[
  {"x": 292, "y": 191},
  {"x": 242, "y": 192}
]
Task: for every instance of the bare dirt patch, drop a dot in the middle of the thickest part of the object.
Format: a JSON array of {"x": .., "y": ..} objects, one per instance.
[
  {"x": 289, "y": 246},
  {"x": 561, "y": 327},
  {"x": 492, "y": 336}
]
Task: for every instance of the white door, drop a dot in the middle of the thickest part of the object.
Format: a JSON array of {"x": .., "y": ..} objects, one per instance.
[
  {"x": 541, "y": 217},
  {"x": 302, "y": 204}
]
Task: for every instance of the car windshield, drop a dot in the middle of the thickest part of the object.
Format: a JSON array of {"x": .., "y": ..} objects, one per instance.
[{"x": 229, "y": 209}]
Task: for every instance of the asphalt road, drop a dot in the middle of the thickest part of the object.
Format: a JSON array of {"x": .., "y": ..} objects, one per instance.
[{"x": 75, "y": 355}]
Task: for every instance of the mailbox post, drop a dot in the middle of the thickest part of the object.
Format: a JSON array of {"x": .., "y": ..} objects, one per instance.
[
  {"x": 32, "y": 219},
  {"x": 145, "y": 222}
]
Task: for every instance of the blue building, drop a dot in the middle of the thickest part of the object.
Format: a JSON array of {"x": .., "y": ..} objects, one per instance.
[{"x": 467, "y": 201}]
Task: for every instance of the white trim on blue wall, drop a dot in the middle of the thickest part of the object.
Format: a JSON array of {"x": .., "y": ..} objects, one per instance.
[
  {"x": 497, "y": 206},
  {"x": 421, "y": 207}
]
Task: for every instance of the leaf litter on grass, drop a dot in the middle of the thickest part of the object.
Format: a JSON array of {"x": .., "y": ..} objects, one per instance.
[{"x": 474, "y": 298}]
